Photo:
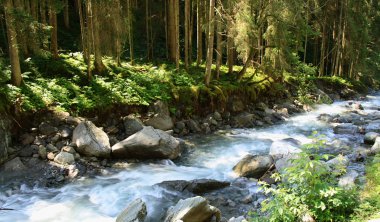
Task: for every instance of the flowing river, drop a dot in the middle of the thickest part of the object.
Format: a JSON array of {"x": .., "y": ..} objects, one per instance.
[{"x": 102, "y": 198}]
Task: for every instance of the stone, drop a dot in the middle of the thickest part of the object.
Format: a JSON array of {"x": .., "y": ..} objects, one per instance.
[
  {"x": 132, "y": 124},
  {"x": 348, "y": 180},
  {"x": 346, "y": 128},
  {"x": 370, "y": 138},
  {"x": 195, "y": 209},
  {"x": 244, "y": 119},
  {"x": 217, "y": 116},
  {"x": 149, "y": 143},
  {"x": 51, "y": 148},
  {"x": 237, "y": 105},
  {"x": 373, "y": 126},
  {"x": 357, "y": 106},
  {"x": 26, "y": 152},
  {"x": 376, "y": 147},
  {"x": 193, "y": 126},
  {"x": 254, "y": 166},
  {"x": 66, "y": 133},
  {"x": 238, "y": 219},
  {"x": 326, "y": 118},
  {"x": 50, "y": 156},
  {"x": 284, "y": 147},
  {"x": 27, "y": 139},
  {"x": 285, "y": 162},
  {"x": 68, "y": 149},
  {"x": 42, "y": 152},
  {"x": 338, "y": 164},
  {"x": 180, "y": 125},
  {"x": 91, "y": 140},
  {"x": 47, "y": 129},
  {"x": 64, "y": 158},
  {"x": 55, "y": 138},
  {"x": 198, "y": 187},
  {"x": 14, "y": 165},
  {"x": 135, "y": 212},
  {"x": 161, "y": 118}
]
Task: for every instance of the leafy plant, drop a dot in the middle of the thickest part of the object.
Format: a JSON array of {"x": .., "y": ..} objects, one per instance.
[{"x": 308, "y": 188}]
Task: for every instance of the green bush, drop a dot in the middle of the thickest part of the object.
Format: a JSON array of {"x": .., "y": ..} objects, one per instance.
[{"x": 308, "y": 187}]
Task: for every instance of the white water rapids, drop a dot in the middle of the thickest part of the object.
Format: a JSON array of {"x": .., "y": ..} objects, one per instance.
[{"x": 103, "y": 197}]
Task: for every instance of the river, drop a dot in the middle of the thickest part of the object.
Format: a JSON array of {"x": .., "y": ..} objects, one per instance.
[{"x": 103, "y": 197}]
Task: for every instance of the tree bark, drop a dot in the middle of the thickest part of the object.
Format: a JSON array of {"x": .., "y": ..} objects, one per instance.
[
  {"x": 54, "y": 31},
  {"x": 66, "y": 16},
  {"x": 98, "y": 63},
  {"x": 16, "y": 77},
  {"x": 210, "y": 43},
  {"x": 130, "y": 31},
  {"x": 219, "y": 42},
  {"x": 187, "y": 32},
  {"x": 199, "y": 32}
]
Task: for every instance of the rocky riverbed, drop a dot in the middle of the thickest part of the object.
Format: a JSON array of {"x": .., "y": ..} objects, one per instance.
[{"x": 81, "y": 169}]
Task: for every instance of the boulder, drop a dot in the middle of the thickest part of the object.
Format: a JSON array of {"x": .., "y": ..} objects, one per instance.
[
  {"x": 237, "y": 105},
  {"x": 42, "y": 152},
  {"x": 373, "y": 126},
  {"x": 284, "y": 147},
  {"x": 376, "y": 147},
  {"x": 285, "y": 162},
  {"x": 149, "y": 143},
  {"x": 14, "y": 165},
  {"x": 237, "y": 219},
  {"x": 195, "y": 209},
  {"x": 193, "y": 126},
  {"x": 244, "y": 119},
  {"x": 91, "y": 141},
  {"x": 161, "y": 118},
  {"x": 47, "y": 129},
  {"x": 64, "y": 158},
  {"x": 348, "y": 179},
  {"x": 370, "y": 138},
  {"x": 346, "y": 128},
  {"x": 135, "y": 212},
  {"x": 254, "y": 166},
  {"x": 199, "y": 187},
  {"x": 324, "y": 117}
]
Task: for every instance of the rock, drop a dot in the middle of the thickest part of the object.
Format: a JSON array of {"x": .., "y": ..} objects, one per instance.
[
  {"x": 253, "y": 166},
  {"x": 15, "y": 165},
  {"x": 91, "y": 141},
  {"x": 237, "y": 105},
  {"x": 66, "y": 133},
  {"x": 195, "y": 209},
  {"x": 370, "y": 137},
  {"x": 64, "y": 158},
  {"x": 27, "y": 139},
  {"x": 346, "y": 128},
  {"x": 338, "y": 164},
  {"x": 42, "y": 152},
  {"x": 135, "y": 212},
  {"x": 180, "y": 125},
  {"x": 50, "y": 156},
  {"x": 149, "y": 143},
  {"x": 284, "y": 147},
  {"x": 28, "y": 151},
  {"x": 193, "y": 126},
  {"x": 244, "y": 119},
  {"x": 68, "y": 149},
  {"x": 326, "y": 118},
  {"x": 357, "y": 106},
  {"x": 348, "y": 180},
  {"x": 217, "y": 116},
  {"x": 51, "y": 148},
  {"x": 161, "y": 119},
  {"x": 47, "y": 129},
  {"x": 373, "y": 126},
  {"x": 376, "y": 147},
  {"x": 199, "y": 187},
  {"x": 285, "y": 162},
  {"x": 283, "y": 112},
  {"x": 238, "y": 219},
  {"x": 132, "y": 124}
]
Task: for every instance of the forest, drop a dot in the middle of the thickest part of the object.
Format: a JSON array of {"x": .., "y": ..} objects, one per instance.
[{"x": 189, "y": 110}]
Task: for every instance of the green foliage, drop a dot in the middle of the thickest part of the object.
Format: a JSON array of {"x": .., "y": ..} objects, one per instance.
[{"x": 308, "y": 187}]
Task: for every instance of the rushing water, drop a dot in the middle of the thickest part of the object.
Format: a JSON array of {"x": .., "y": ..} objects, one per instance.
[{"x": 103, "y": 197}]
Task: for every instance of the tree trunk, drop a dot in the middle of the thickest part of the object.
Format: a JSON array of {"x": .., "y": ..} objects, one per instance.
[
  {"x": 210, "y": 43},
  {"x": 147, "y": 27},
  {"x": 219, "y": 46},
  {"x": 187, "y": 32},
  {"x": 54, "y": 31},
  {"x": 130, "y": 31},
  {"x": 66, "y": 17},
  {"x": 43, "y": 11},
  {"x": 177, "y": 33},
  {"x": 16, "y": 77},
  {"x": 199, "y": 32},
  {"x": 98, "y": 63}
]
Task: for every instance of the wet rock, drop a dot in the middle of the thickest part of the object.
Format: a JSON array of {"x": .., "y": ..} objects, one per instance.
[
  {"x": 253, "y": 166},
  {"x": 284, "y": 147},
  {"x": 50, "y": 156},
  {"x": 149, "y": 143},
  {"x": 132, "y": 124},
  {"x": 346, "y": 128},
  {"x": 237, "y": 105},
  {"x": 64, "y": 158},
  {"x": 373, "y": 126},
  {"x": 238, "y": 219},
  {"x": 357, "y": 106},
  {"x": 91, "y": 141},
  {"x": 14, "y": 165},
  {"x": 370, "y": 137},
  {"x": 244, "y": 119},
  {"x": 326, "y": 118},
  {"x": 196, "y": 209},
  {"x": 161, "y": 118},
  {"x": 199, "y": 187},
  {"x": 348, "y": 180},
  {"x": 68, "y": 149},
  {"x": 51, "y": 148},
  {"x": 283, "y": 163},
  {"x": 376, "y": 147},
  {"x": 42, "y": 152},
  {"x": 338, "y": 163},
  {"x": 135, "y": 212},
  {"x": 47, "y": 129},
  {"x": 217, "y": 116}
]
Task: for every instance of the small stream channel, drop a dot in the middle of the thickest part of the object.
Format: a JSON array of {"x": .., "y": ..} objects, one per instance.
[{"x": 103, "y": 197}]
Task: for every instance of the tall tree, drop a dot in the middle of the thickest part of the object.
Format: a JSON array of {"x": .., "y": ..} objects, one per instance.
[
  {"x": 210, "y": 47},
  {"x": 54, "y": 30},
  {"x": 98, "y": 63},
  {"x": 16, "y": 77}
]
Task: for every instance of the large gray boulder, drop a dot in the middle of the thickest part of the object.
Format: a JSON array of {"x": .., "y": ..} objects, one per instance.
[
  {"x": 376, "y": 147},
  {"x": 149, "y": 143},
  {"x": 14, "y": 165},
  {"x": 135, "y": 212},
  {"x": 196, "y": 209},
  {"x": 91, "y": 141},
  {"x": 161, "y": 118},
  {"x": 5, "y": 137},
  {"x": 132, "y": 124},
  {"x": 284, "y": 147},
  {"x": 253, "y": 166},
  {"x": 285, "y": 162}
]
